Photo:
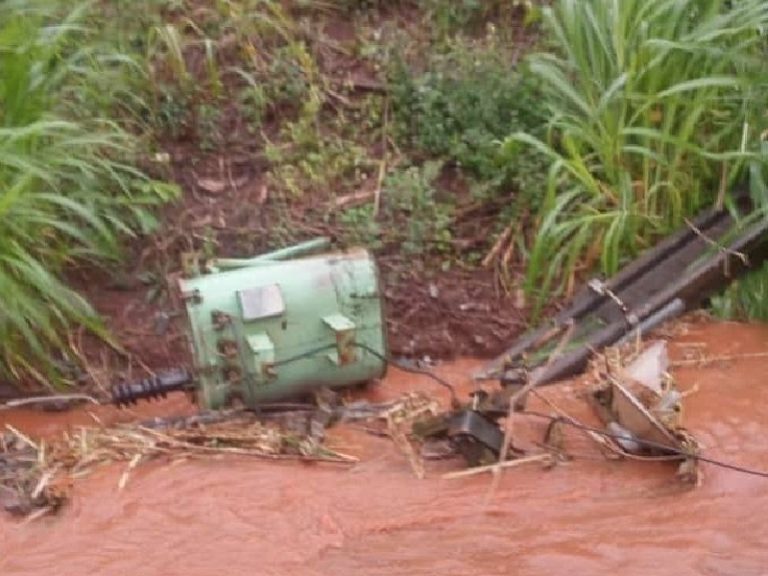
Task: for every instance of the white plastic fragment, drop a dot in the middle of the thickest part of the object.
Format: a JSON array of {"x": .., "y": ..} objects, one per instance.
[{"x": 650, "y": 366}]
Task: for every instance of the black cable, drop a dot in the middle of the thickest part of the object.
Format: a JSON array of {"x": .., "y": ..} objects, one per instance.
[
  {"x": 405, "y": 368},
  {"x": 381, "y": 357},
  {"x": 304, "y": 355},
  {"x": 650, "y": 444}
]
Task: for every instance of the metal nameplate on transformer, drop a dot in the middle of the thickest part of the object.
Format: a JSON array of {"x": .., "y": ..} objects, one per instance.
[{"x": 261, "y": 302}]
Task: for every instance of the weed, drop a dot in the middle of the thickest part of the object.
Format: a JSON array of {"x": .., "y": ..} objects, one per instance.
[
  {"x": 451, "y": 16},
  {"x": 252, "y": 101},
  {"x": 362, "y": 227},
  {"x": 410, "y": 192},
  {"x": 412, "y": 217},
  {"x": 208, "y": 127},
  {"x": 290, "y": 79},
  {"x": 745, "y": 299},
  {"x": 172, "y": 112},
  {"x": 321, "y": 150},
  {"x": 309, "y": 160}
]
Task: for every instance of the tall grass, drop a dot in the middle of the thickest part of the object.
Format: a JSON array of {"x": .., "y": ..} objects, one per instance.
[
  {"x": 745, "y": 299},
  {"x": 68, "y": 186},
  {"x": 655, "y": 107}
]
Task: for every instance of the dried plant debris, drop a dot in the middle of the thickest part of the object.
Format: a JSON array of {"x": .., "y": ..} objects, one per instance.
[
  {"x": 400, "y": 418},
  {"x": 26, "y": 484},
  {"x": 37, "y": 476},
  {"x": 642, "y": 408}
]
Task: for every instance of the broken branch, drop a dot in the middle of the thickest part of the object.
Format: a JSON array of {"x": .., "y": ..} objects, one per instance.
[{"x": 546, "y": 458}]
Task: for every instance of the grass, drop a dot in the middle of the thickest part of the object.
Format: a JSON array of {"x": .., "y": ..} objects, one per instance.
[
  {"x": 656, "y": 106},
  {"x": 453, "y": 109},
  {"x": 68, "y": 186},
  {"x": 448, "y": 17},
  {"x": 745, "y": 299}
]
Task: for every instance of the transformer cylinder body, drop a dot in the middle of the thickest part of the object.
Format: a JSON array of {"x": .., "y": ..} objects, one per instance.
[{"x": 271, "y": 329}]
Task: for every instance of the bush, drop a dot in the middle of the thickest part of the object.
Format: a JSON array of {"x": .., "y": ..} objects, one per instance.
[
  {"x": 655, "y": 107},
  {"x": 463, "y": 105},
  {"x": 68, "y": 188},
  {"x": 421, "y": 220}
]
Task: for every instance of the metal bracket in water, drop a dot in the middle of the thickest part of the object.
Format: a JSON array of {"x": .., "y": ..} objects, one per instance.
[{"x": 344, "y": 329}]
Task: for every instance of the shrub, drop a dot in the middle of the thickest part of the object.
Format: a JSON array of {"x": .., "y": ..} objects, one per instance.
[
  {"x": 68, "y": 188},
  {"x": 421, "y": 220},
  {"x": 463, "y": 105},
  {"x": 655, "y": 105}
]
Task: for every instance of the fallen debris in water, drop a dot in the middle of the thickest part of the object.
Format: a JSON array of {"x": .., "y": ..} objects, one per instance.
[
  {"x": 632, "y": 392},
  {"x": 630, "y": 389},
  {"x": 400, "y": 419},
  {"x": 547, "y": 460},
  {"x": 37, "y": 476},
  {"x": 26, "y": 482},
  {"x": 642, "y": 408}
]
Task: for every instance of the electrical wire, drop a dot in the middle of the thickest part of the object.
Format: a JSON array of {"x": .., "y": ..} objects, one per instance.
[
  {"x": 421, "y": 371},
  {"x": 303, "y": 355},
  {"x": 650, "y": 444},
  {"x": 400, "y": 366}
]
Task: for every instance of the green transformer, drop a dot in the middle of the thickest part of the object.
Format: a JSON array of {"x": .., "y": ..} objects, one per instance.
[
  {"x": 277, "y": 326},
  {"x": 268, "y": 328}
]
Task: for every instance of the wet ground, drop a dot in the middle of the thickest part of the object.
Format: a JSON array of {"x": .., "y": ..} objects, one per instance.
[{"x": 588, "y": 516}]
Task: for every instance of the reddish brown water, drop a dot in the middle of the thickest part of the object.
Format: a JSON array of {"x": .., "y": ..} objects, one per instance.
[{"x": 587, "y": 517}]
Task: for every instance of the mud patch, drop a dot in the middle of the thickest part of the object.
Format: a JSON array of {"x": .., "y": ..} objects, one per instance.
[{"x": 448, "y": 314}]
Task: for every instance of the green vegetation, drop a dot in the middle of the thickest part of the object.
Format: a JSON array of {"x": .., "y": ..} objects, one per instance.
[
  {"x": 68, "y": 187},
  {"x": 656, "y": 105},
  {"x": 464, "y": 104},
  {"x": 745, "y": 299},
  {"x": 450, "y": 16},
  {"x": 417, "y": 128}
]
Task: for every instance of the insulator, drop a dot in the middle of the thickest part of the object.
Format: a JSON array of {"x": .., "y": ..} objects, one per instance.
[{"x": 157, "y": 386}]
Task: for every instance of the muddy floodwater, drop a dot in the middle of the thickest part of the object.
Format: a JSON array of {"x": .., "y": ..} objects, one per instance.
[{"x": 588, "y": 516}]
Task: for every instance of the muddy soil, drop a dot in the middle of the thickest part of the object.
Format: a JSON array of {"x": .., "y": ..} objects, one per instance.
[{"x": 588, "y": 516}]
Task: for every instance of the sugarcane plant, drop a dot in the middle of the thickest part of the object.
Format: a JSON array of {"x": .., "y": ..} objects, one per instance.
[
  {"x": 656, "y": 108},
  {"x": 69, "y": 188}
]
